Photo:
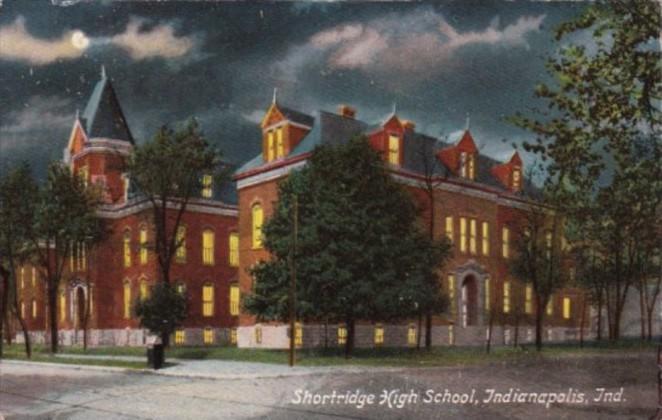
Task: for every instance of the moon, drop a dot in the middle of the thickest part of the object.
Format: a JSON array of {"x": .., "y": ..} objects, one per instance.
[{"x": 79, "y": 40}]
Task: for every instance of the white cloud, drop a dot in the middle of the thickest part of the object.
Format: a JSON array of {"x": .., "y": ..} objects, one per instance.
[
  {"x": 16, "y": 43},
  {"x": 254, "y": 116},
  {"x": 159, "y": 41}
]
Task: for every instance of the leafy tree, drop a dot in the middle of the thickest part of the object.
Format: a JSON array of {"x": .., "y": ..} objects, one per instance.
[
  {"x": 601, "y": 137},
  {"x": 359, "y": 252},
  {"x": 17, "y": 188},
  {"x": 62, "y": 213},
  {"x": 168, "y": 171},
  {"x": 163, "y": 311}
]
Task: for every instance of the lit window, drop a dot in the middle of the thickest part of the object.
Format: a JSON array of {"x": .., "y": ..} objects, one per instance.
[
  {"x": 567, "y": 308},
  {"x": 280, "y": 149},
  {"x": 463, "y": 164},
  {"x": 207, "y": 300},
  {"x": 505, "y": 242},
  {"x": 298, "y": 334},
  {"x": 208, "y": 247},
  {"x": 234, "y": 300},
  {"x": 63, "y": 306},
  {"x": 472, "y": 236},
  {"x": 181, "y": 288},
  {"x": 528, "y": 299},
  {"x": 257, "y": 219},
  {"x": 180, "y": 336},
  {"x": 516, "y": 179},
  {"x": 144, "y": 290},
  {"x": 471, "y": 162},
  {"x": 22, "y": 277},
  {"x": 342, "y": 335},
  {"x": 84, "y": 174},
  {"x": 411, "y": 335},
  {"x": 234, "y": 250},
  {"x": 207, "y": 182},
  {"x": 127, "y": 300},
  {"x": 488, "y": 295},
  {"x": 258, "y": 335},
  {"x": 463, "y": 234},
  {"x": 143, "y": 245},
  {"x": 270, "y": 146},
  {"x": 548, "y": 244},
  {"x": 34, "y": 308},
  {"x": 379, "y": 335},
  {"x": 486, "y": 238},
  {"x": 449, "y": 228},
  {"x": 451, "y": 293},
  {"x": 550, "y": 306},
  {"x": 34, "y": 277},
  {"x": 394, "y": 150},
  {"x": 180, "y": 239},
  {"x": 208, "y": 336},
  {"x": 127, "y": 249},
  {"x": 506, "y": 297},
  {"x": 233, "y": 336}
]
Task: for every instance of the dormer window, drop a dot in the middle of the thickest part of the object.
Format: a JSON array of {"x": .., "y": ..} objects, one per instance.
[
  {"x": 280, "y": 149},
  {"x": 271, "y": 151},
  {"x": 467, "y": 165},
  {"x": 275, "y": 144},
  {"x": 207, "y": 182},
  {"x": 394, "y": 149},
  {"x": 517, "y": 179}
]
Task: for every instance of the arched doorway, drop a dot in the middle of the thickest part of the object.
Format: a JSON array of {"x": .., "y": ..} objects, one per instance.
[
  {"x": 469, "y": 299},
  {"x": 80, "y": 306}
]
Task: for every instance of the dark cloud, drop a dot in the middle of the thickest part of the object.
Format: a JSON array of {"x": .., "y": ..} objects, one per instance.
[{"x": 220, "y": 62}]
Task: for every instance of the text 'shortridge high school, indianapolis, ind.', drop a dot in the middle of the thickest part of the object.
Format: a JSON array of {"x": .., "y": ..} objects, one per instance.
[{"x": 481, "y": 202}]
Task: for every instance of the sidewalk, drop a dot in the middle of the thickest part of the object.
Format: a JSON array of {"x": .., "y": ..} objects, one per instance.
[{"x": 214, "y": 369}]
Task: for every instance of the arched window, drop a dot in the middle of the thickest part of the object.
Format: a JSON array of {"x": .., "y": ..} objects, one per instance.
[
  {"x": 208, "y": 247},
  {"x": 180, "y": 243},
  {"x": 234, "y": 249},
  {"x": 127, "y": 299},
  {"x": 207, "y": 299},
  {"x": 143, "y": 245},
  {"x": 144, "y": 290},
  {"x": 234, "y": 300},
  {"x": 127, "y": 248},
  {"x": 257, "y": 219}
]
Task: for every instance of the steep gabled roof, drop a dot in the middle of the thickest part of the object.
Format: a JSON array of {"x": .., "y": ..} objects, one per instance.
[
  {"x": 296, "y": 116},
  {"x": 103, "y": 116}
]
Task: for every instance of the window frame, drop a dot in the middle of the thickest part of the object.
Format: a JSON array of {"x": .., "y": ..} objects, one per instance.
[
  {"x": 208, "y": 249},
  {"x": 208, "y": 304}
]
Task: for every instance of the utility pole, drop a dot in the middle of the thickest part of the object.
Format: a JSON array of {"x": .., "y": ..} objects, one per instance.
[{"x": 293, "y": 278}]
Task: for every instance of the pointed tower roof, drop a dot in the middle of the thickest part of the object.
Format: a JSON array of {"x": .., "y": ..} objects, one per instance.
[{"x": 103, "y": 116}]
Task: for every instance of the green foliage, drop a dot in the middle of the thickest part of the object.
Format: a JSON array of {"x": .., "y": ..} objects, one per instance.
[
  {"x": 359, "y": 254},
  {"x": 163, "y": 311}
]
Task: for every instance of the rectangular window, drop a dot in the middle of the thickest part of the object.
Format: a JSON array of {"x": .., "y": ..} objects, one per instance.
[
  {"x": 127, "y": 249},
  {"x": 34, "y": 277},
  {"x": 233, "y": 336},
  {"x": 208, "y": 336},
  {"x": 280, "y": 148},
  {"x": 234, "y": 300},
  {"x": 567, "y": 308},
  {"x": 180, "y": 243},
  {"x": 207, "y": 300},
  {"x": 463, "y": 234},
  {"x": 528, "y": 299},
  {"x": 180, "y": 337},
  {"x": 298, "y": 335},
  {"x": 208, "y": 247},
  {"x": 34, "y": 309},
  {"x": 550, "y": 306},
  {"x": 393, "y": 149},
  {"x": 463, "y": 164},
  {"x": 516, "y": 179},
  {"x": 505, "y": 242},
  {"x": 472, "y": 236},
  {"x": 127, "y": 300},
  {"x": 451, "y": 293},
  {"x": 143, "y": 246},
  {"x": 22, "y": 277},
  {"x": 144, "y": 290},
  {"x": 258, "y": 335},
  {"x": 379, "y": 335},
  {"x": 234, "y": 250},
  {"x": 63, "y": 307},
  {"x": 84, "y": 174},
  {"x": 506, "y": 297},
  {"x": 207, "y": 183},
  {"x": 342, "y": 335},
  {"x": 449, "y": 228},
  {"x": 548, "y": 244},
  {"x": 22, "y": 309},
  {"x": 486, "y": 238},
  {"x": 257, "y": 217},
  {"x": 411, "y": 335},
  {"x": 488, "y": 295},
  {"x": 270, "y": 146},
  {"x": 471, "y": 160}
]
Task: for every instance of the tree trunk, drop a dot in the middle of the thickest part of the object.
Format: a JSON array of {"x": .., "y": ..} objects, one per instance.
[
  {"x": 428, "y": 331},
  {"x": 642, "y": 312},
  {"x": 539, "y": 315},
  {"x": 26, "y": 334},
  {"x": 349, "y": 344},
  {"x": 52, "y": 315},
  {"x": 5, "y": 300}
]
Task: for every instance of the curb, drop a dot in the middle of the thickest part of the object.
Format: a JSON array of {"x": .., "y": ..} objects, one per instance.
[{"x": 69, "y": 366}]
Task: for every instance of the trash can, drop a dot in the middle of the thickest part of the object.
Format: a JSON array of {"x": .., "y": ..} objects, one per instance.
[{"x": 155, "y": 353}]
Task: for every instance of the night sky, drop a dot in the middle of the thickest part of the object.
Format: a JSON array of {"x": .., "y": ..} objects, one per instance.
[{"x": 220, "y": 62}]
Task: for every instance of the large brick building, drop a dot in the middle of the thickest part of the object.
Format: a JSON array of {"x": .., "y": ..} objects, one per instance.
[{"x": 477, "y": 203}]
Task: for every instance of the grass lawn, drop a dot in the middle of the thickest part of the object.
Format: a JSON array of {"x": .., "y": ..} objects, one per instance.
[{"x": 396, "y": 357}]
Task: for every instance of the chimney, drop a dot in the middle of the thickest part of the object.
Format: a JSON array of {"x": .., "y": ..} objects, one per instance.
[
  {"x": 347, "y": 111},
  {"x": 409, "y": 125}
]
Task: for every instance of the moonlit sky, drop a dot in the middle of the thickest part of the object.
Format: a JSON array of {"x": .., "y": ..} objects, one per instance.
[{"x": 221, "y": 61}]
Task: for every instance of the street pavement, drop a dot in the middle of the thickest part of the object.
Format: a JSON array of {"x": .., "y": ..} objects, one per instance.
[{"x": 260, "y": 391}]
